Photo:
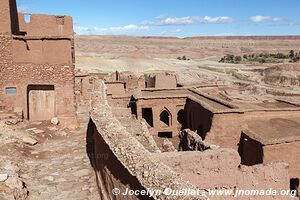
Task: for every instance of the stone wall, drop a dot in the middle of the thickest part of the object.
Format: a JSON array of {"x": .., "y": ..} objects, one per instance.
[{"x": 5, "y": 51}]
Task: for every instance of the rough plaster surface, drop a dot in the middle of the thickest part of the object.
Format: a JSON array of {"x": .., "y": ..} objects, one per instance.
[{"x": 132, "y": 156}]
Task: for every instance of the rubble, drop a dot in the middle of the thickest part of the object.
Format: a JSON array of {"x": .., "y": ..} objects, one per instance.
[
  {"x": 3, "y": 177},
  {"x": 54, "y": 121},
  {"x": 29, "y": 140}
]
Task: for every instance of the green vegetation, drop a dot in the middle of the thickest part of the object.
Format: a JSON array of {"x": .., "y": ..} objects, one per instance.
[
  {"x": 183, "y": 58},
  {"x": 262, "y": 58}
]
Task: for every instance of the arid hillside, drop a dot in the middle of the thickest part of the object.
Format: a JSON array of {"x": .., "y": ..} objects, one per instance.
[{"x": 201, "y": 63}]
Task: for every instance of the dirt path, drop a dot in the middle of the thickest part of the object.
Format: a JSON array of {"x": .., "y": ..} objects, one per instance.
[{"x": 57, "y": 168}]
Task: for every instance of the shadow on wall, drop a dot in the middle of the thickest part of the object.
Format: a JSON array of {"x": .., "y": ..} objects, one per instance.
[
  {"x": 251, "y": 151},
  {"x": 197, "y": 118},
  {"x": 110, "y": 172}
]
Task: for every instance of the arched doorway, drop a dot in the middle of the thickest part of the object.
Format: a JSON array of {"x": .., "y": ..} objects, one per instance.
[{"x": 165, "y": 118}]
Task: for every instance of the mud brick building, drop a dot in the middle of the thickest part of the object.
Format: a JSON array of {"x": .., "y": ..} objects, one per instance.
[{"x": 37, "y": 64}]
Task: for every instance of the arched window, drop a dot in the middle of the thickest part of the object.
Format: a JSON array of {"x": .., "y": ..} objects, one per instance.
[
  {"x": 180, "y": 116},
  {"x": 165, "y": 118}
]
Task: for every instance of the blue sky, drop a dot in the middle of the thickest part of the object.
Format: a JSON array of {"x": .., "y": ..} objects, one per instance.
[{"x": 182, "y": 18}]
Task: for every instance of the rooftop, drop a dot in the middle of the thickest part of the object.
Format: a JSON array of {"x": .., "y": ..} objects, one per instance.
[{"x": 274, "y": 130}]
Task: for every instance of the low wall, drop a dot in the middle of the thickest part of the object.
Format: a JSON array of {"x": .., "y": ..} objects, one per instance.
[{"x": 121, "y": 161}]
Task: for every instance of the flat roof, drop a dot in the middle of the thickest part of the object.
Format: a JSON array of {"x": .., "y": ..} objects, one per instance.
[
  {"x": 214, "y": 104},
  {"x": 274, "y": 130}
]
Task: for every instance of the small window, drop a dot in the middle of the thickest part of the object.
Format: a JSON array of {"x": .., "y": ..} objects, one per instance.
[
  {"x": 27, "y": 18},
  {"x": 11, "y": 90}
]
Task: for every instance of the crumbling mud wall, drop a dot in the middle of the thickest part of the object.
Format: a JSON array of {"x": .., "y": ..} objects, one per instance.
[
  {"x": 284, "y": 152},
  {"x": 38, "y": 53},
  {"x": 121, "y": 161},
  {"x": 109, "y": 170},
  {"x": 220, "y": 169},
  {"x": 46, "y": 25},
  {"x": 160, "y": 80}
]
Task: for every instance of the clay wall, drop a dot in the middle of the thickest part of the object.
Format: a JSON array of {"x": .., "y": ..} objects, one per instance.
[
  {"x": 254, "y": 152},
  {"x": 286, "y": 152},
  {"x": 220, "y": 169},
  {"x": 84, "y": 87},
  {"x": 43, "y": 51},
  {"x": 39, "y": 53},
  {"x": 46, "y": 25},
  {"x": 165, "y": 81},
  {"x": 132, "y": 81},
  {"x": 160, "y": 81},
  {"x": 22, "y": 75},
  {"x": 115, "y": 88},
  {"x": 226, "y": 130},
  {"x": 5, "y": 22},
  {"x": 119, "y": 102},
  {"x": 158, "y": 105}
]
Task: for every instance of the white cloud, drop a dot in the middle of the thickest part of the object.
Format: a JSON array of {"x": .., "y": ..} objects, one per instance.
[
  {"x": 179, "y": 21},
  {"x": 216, "y": 20},
  {"x": 260, "y": 19},
  {"x": 188, "y": 20},
  {"x": 119, "y": 30},
  {"x": 23, "y": 9}
]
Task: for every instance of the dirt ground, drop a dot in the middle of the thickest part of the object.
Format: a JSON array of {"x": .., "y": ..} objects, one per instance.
[{"x": 56, "y": 168}]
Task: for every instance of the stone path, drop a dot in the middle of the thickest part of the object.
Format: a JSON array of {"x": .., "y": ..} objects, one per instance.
[{"x": 57, "y": 168}]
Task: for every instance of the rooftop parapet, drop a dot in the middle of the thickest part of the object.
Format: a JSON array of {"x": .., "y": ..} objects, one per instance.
[{"x": 34, "y": 25}]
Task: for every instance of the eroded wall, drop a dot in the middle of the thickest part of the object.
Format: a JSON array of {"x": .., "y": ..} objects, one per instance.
[
  {"x": 37, "y": 53},
  {"x": 284, "y": 152},
  {"x": 109, "y": 170},
  {"x": 220, "y": 169},
  {"x": 46, "y": 25},
  {"x": 125, "y": 159}
]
